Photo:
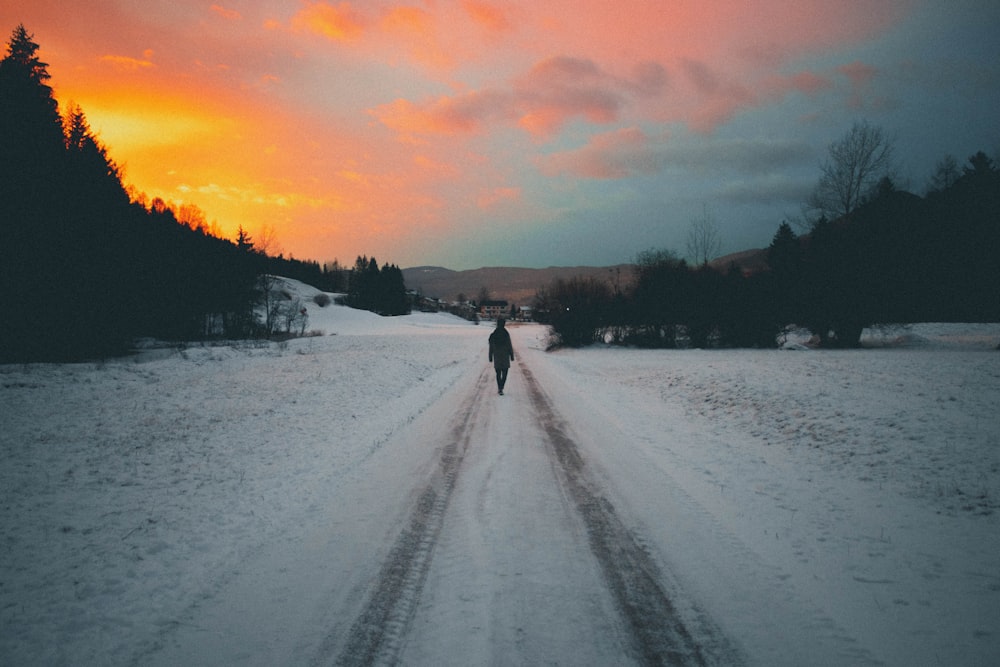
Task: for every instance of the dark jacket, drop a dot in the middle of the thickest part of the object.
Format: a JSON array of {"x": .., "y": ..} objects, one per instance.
[{"x": 501, "y": 350}]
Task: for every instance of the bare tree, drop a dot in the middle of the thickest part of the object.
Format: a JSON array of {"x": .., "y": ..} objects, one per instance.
[
  {"x": 703, "y": 241},
  {"x": 855, "y": 164},
  {"x": 267, "y": 241},
  {"x": 269, "y": 301},
  {"x": 945, "y": 174}
]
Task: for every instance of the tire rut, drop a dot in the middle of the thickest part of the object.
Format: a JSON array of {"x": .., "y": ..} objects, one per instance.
[
  {"x": 375, "y": 637},
  {"x": 660, "y": 634}
]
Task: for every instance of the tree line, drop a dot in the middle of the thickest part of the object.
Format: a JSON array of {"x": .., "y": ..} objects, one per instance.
[
  {"x": 86, "y": 266},
  {"x": 380, "y": 290},
  {"x": 873, "y": 255}
]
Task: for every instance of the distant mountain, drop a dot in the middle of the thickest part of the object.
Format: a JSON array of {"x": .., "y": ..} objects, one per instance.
[
  {"x": 748, "y": 261},
  {"x": 517, "y": 285}
]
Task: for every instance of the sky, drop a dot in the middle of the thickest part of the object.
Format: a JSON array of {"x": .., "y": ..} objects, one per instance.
[{"x": 536, "y": 133}]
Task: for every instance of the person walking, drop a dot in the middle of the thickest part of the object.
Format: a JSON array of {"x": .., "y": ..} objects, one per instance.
[{"x": 501, "y": 353}]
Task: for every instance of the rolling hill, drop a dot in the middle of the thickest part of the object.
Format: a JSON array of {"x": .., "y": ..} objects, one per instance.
[{"x": 519, "y": 285}]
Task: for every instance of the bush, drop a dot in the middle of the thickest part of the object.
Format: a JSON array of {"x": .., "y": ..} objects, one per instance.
[{"x": 577, "y": 310}]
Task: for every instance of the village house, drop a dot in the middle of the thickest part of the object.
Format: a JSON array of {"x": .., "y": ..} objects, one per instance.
[{"x": 491, "y": 310}]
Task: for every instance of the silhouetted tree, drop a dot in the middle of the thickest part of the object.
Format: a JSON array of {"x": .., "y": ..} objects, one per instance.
[
  {"x": 31, "y": 164},
  {"x": 392, "y": 297},
  {"x": 381, "y": 291},
  {"x": 946, "y": 172},
  {"x": 577, "y": 310},
  {"x": 784, "y": 255},
  {"x": 703, "y": 241},
  {"x": 243, "y": 240},
  {"x": 659, "y": 281},
  {"x": 855, "y": 163},
  {"x": 31, "y": 134}
]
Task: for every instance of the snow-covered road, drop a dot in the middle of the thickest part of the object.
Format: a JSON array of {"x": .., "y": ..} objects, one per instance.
[
  {"x": 366, "y": 497},
  {"x": 501, "y": 548}
]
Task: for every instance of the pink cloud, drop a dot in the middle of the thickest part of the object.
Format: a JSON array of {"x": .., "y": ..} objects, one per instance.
[
  {"x": 860, "y": 77},
  {"x": 611, "y": 155},
  {"x": 490, "y": 16},
  {"x": 460, "y": 114},
  {"x": 718, "y": 98},
  {"x": 422, "y": 34},
  {"x": 807, "y": 82},
  {"x": 492, "y": 197},
  {"x": 703, "y": 93},
  {"x": 541, "y": 101},
  {"x": 408, "y": 19},
  {"x": 858, "y": 72},
  {"x": 558, "y": 89}
]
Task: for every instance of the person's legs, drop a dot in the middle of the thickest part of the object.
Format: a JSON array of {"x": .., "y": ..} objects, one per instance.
[{"x": 501, "y": 378}]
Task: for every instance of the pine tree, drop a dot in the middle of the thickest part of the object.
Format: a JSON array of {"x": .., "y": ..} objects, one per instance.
[
  {"x": 392, "y": 291},
  {"x": 31, "y": 134},
  {"x": 94, "y": 175},
  {"x": 32, "y": 160},
  {"x": 784, "y": 254}
]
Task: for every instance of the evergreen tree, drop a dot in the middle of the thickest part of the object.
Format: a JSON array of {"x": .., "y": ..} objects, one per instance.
[
  {"x": 31, "y": 167},
  {"x": 95, "y": 243},
  {"x": 392, "y": 292},
  {"x": 243, "y": 240},
  {"x": 784, "y": 255},
  {"x": 31, "y": 134}
]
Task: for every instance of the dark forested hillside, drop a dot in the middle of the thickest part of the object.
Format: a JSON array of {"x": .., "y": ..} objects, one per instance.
[{"x": 83, "y": 269}]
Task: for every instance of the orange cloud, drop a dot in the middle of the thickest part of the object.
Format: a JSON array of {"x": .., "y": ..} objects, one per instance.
[
  {"x": 340, "y": 23},
  {"x": 231, "y": 14},
  {"x": 426, "y": 35},
  {"x": 128, "y": 63},
  {"x": 431, "y": 167},
  {"x": 489, "y": 16},
  {"x": 408, "y": 19}
]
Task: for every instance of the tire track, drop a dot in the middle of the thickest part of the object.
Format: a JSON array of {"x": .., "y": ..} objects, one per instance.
[
  {"x": 659, "y": 632},
  {"x": 376, "y": 636}
]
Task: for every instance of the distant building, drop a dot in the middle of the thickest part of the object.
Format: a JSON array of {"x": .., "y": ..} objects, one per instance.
[{"x": 491, "y": 310}]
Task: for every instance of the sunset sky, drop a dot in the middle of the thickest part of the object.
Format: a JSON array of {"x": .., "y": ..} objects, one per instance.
[{"x": 472, "y": 133}]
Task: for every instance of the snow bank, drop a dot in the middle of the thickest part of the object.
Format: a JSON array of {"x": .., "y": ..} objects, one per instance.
[{"x": 127, "y": 488}]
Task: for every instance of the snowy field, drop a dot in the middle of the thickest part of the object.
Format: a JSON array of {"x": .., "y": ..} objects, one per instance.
[{"x": 234, "y": 504}]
